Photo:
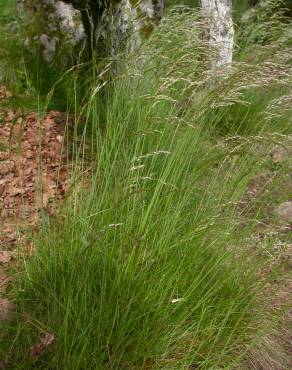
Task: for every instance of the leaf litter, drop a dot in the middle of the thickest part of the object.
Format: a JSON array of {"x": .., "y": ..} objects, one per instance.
[
  {"x": 45, "y": 341},
  {"x": 32, "y": 169},
  {"x": 33, "y": 177}
]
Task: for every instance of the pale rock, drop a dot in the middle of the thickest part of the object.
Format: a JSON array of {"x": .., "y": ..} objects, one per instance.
[
  {"x": 284, "y": 211},
  {"x": 121, "y": 28}
]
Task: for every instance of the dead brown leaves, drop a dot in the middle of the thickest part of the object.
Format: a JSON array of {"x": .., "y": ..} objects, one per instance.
[
  {"x": 5, "y": 257},
  {"x": 32, "y": 167},
  {"x": 7, "y": 309},
  {"x": 33, "y": 175},
  {"x": 4, "y": 92},
  {"x": 45, "y": 341}
]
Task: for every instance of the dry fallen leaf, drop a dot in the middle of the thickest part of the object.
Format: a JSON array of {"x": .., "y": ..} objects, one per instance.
[
  {"x": 59, "y": 138},
  {"x": 42, "y": 345},
  {"x": 5, "y": 256},
  {"x": 4, "y": 92},
  {"x": 7, "y": 309},
  {"x": 5, "y": 280},
  {"x": 10, "y": 115},
  {"x": 277, "y": 155}
]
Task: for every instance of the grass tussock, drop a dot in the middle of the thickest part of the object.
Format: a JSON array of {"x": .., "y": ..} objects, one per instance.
[{"x": 143, "y": 267}]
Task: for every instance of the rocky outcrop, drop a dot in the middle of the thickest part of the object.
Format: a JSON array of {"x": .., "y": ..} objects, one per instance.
[
  {"x": 51, "y": 26},
  {"x": 109, "y": 26}
]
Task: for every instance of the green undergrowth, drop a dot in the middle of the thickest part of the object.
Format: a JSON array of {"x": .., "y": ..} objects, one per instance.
[
  {"x": 25, "y": 73},
  {"x": 142, "y": 267}
]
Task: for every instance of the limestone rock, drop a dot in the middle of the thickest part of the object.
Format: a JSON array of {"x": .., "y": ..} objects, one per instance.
[
  {"x": 116, "y": 26},
  {"x": 52, "y": 25},
  {"x": 284, "y": 211}
]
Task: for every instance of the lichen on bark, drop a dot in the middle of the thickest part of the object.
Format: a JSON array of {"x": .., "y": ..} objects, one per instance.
[
  {"x": 119, "y": 25},
  {"x": 52, "y": 26},
  {"x": 220, "y": 29},
  {"x": 110, "y": 26}
]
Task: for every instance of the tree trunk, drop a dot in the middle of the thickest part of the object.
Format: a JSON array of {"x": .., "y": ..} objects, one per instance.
[
  {"x": 220, "y": 29},
  {"x": 118, "y": 25},
  {"x": 110, "y": 26}
]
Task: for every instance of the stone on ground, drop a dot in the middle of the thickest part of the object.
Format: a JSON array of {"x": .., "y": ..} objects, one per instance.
[{"x": 284, "y": 211}]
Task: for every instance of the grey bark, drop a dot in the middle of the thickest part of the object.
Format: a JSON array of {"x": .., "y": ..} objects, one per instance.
[{"x": 220, "y": 29}]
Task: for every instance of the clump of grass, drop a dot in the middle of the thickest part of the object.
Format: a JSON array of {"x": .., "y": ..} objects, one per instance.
[
  {"x": 137, "y": 270},
  {"x": 143, "y": 267}
]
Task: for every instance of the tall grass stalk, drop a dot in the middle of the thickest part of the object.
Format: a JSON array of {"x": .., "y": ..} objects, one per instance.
[{"x": 142, "y": 268}]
